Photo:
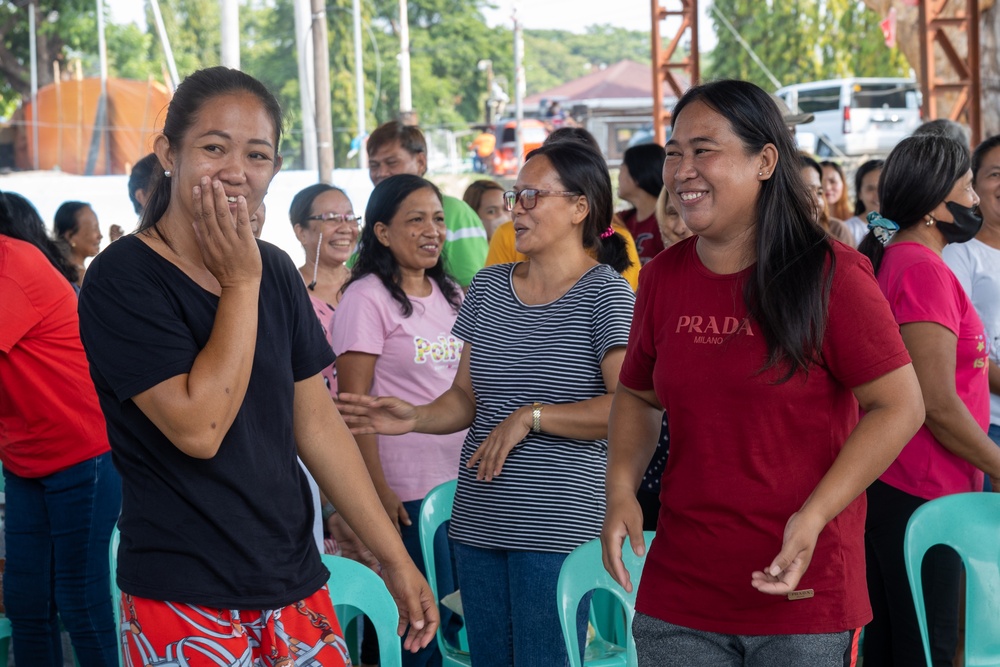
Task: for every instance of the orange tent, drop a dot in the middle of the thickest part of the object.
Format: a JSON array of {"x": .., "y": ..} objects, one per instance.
[{"x": 68, "y": 113}]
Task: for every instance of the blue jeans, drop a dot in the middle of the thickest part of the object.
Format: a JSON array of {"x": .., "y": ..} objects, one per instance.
[
  {"x": 994, "y": 433},
  {"x": 511, "y": 611},
  {"x": 58, "y": 529}
]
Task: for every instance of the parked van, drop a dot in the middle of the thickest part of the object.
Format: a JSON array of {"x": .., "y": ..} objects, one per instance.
[{"x": 857, "y": 116}]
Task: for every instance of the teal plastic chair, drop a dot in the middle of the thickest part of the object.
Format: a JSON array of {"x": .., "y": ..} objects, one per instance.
[
  {"x": 434, "y": 511},
  {"x": 356, "y": 590},
  {"x": 116, "y": 594},
  {"x": 583, "y": 571},
  {"x": 969, "y": 523}
]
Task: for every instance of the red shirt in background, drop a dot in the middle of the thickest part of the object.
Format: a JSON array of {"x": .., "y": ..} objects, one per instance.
[
  {"x": 49, "y": 415},
  {"x": 646, "y": 233}
]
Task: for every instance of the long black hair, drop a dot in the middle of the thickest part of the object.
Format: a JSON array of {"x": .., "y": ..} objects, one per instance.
[
  {"x": 789, "y": 290},
  {"x": 375, "y": 258},
  {"x": 859, "y": 178},
  {"x": 918, "y": 175},
  {"x": 191, "y": 95},
  {"x": 582, "y": 169},
  {"x": 23, "y": 222}
]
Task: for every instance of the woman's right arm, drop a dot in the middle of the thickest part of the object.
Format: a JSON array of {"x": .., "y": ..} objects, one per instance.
[
  {"x": 452, "y": 411},
  {"x": 355, "y": 374},
  {"x": 196, "y": 409},
  {"x": 633, "y": 430},
  {"x": 932, "y": 348}
]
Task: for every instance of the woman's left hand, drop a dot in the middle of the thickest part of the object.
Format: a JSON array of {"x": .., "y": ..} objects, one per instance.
[
  {"x": 784, "y": 573},
  {"x": 415, "y": 601},
  {"x": 493, "y": 452}
]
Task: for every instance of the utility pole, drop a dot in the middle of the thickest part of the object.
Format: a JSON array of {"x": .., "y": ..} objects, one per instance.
[
  {"x": 303, "y": 30},
  {"x": 101, "y": 134},
  {"x": 230, "y": 33},
  {"x": 359, "y": 86},
  {"x": 168, "y": 53},
  {"x": 519, "y": 90},
  {"x": 33, "y": 54},
  {"x": 406, "y": 115},
  {"x": 321, "y": 63}
]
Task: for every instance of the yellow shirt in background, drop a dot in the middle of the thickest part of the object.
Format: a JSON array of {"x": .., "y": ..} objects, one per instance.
[{"x": 503, "y": 250}]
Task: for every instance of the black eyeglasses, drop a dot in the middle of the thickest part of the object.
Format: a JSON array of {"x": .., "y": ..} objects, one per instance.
[
  {"x": 529, "y": 197},
  {"x": 339, "y": 218}
]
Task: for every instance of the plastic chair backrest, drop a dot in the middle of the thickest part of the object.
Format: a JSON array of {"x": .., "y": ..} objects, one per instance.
[
  {"x": 969, "y": 523},
  {"x": 354, "y": 586},
  {"x": 583, "y": 571},
  {"x": 116, "y": 594},
  {"x": 434, "y": 511}
]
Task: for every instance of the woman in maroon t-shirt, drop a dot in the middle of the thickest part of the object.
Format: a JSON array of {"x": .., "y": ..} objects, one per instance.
[
  {"x": 640, "y": 181},
  {"x": 747, "y": 335}
]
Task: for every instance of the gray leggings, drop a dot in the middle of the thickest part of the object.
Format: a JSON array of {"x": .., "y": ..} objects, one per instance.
[{"x": 662, "y": 644}]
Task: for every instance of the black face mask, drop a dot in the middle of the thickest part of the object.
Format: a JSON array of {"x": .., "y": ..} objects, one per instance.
[{"x": 967, "y": 223}]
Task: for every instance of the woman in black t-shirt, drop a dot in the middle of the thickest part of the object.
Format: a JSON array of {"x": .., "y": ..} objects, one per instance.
[{"x": 206, "y": 357}]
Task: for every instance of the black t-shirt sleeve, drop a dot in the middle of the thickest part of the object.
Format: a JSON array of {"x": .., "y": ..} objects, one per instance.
[{"x": 123, "y": 318}]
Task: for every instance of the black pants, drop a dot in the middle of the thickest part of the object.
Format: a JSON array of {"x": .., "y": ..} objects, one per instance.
[{"x": 892, "y": 639}]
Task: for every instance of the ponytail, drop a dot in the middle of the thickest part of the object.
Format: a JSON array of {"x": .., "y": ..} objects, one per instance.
[
  {"x": 159, "y": 199},
  {"x": 613, "y": 251}
]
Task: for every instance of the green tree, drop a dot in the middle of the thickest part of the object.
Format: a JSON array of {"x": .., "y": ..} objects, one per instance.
[{"x": 801, "y": 40}]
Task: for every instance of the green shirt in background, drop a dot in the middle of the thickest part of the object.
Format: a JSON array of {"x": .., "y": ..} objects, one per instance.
[{"x": 465, "y": 245}]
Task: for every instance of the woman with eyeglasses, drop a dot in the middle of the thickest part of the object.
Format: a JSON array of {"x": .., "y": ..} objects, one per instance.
[
  {"x": 392, "y": 336},
  {"x": 543, "y": 343},
  {"x": 325, "y": 225}
]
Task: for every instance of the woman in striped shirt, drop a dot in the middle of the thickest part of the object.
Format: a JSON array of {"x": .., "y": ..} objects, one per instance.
[{"x": 544, "y": 341}]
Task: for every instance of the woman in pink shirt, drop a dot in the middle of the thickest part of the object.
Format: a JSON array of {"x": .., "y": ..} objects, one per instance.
[
  {"x": 927, "y": 202},
  {"x": 392, "y": 336}
]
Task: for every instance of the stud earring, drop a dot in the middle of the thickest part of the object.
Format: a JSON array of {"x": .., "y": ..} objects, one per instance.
[
  {"x": 166, "y": 172},
  {"x": 930, "y": 222},
  {"x": 760, "y": 173}
]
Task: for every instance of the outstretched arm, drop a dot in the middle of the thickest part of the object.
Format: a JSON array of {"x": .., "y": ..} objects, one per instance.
[{"x": 450, "y": 412}]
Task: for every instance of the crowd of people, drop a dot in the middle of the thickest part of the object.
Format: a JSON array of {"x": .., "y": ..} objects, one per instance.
[{"x": 770, "y": 378}]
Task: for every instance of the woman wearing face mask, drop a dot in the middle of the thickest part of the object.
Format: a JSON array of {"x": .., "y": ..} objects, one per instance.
[
  {"x": 977, "y": 264},
  {"x": 927, "y": 202}
]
